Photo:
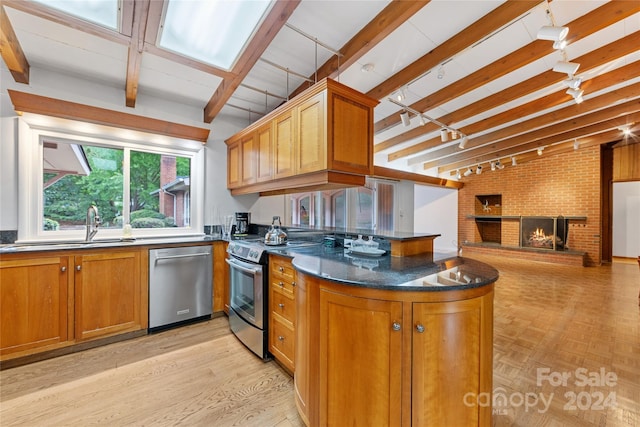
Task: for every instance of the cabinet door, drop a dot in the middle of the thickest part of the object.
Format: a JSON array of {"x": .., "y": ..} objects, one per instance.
[
  {"x": 107, "y": 294},
  {"x": 263, "y": 162},
  {"x": 234, "y": 165},
  {"x": 283, "y": 149},
  {"x": 220, "y": 277},
  {"x": 361, "y": 331},
  {"x": 452, "y": 356},
  {"x": 34, "y": 298},
  {"x": 311, "y": 136},
  {"x": 248, "y": 154}
]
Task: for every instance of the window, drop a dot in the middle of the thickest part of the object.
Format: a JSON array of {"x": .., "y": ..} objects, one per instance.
[
  {"x": 140, "y": 183},
  {"x": 370, "y": 208}
]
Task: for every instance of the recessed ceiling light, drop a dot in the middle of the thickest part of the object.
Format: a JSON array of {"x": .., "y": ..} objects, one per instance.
[{"x": 367, "y": 68}]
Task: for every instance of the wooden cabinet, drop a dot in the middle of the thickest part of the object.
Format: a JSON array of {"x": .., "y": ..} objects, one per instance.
[
  {"x": 378, "y": 357},
  {"x": 234, "y": 164},
  {"x": 264, "y": 152},
  {"x": 36, "y": 294},
  {"x": 311, "y": 142},
  {"x": 55, "y": 299},
  {"x": 323, "y": 137},
  {"x": 107, "y": 294},
  {"x": 220, "y": 277},
  {"x": 283, "y": 146},
  {"x": 361, "y": 360},
  {"x": 282, "y": 310}
]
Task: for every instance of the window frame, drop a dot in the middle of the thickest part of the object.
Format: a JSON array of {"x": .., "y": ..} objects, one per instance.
[{"x": 32, "y": 129}]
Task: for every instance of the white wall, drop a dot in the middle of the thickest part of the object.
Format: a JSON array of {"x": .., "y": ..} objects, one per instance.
[
  {"x": 436, "y": 211},
  {"x": 626, "y": 219},
  {"x": 8, "y": 174}
]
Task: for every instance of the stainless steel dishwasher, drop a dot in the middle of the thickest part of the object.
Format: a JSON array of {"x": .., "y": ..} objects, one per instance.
[{"x": 180, "y": 286}]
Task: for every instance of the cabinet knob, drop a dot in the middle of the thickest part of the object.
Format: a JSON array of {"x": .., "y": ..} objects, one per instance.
[
  {"x": 419, "y": 328},
  {"x": 78, "y": 267},
  {"x": 63, "y": 268},
  {"x": 293, "y": 283},
  {"x": 281, "y": 284},
  {"x": 396, "y": 326},
  {"x": 280, "y": 338},
  {"x": 281, "y": 305},
  {"x": 280, "y": 269}
]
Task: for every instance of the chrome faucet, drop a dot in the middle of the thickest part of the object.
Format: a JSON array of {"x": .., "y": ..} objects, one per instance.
[{"x": 92, "y": 222}]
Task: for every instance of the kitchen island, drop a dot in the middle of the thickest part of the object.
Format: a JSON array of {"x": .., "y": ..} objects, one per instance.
[{"x": 393, "y": 340}]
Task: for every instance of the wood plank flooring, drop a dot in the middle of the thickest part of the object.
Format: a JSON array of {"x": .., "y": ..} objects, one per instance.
[{"x": 548, "y": 319}]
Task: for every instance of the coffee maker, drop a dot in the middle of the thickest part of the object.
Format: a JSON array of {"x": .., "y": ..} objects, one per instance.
[{"x": 242, "y": 222}]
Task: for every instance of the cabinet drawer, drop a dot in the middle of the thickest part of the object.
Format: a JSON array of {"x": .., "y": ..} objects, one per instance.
[
  {"x": 282, "y": 268},
  {"x": 283, "y": 305},
  {"x": 284, "y": 286},
  {"x": 282, "y": 341}
]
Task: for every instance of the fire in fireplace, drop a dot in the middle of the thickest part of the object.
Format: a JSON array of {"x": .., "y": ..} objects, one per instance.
[{"x": 544, "y": 232}]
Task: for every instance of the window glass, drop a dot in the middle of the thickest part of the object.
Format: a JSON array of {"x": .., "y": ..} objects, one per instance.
[
  {"x": 364, "y": 208},
  {"x": 339, "y": 209},
  {"x": 76, "y": 177}
]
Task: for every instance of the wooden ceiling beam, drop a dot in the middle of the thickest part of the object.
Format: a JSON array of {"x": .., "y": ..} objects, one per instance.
[
  {"x": 275, "y": 20},
  {"x": 592, "y": 22},
  {"x": 11, "y": 50},
  {"x": 483, "y": 27},
  {"x": 136, "y": 46},
  {"x": 576, "y": 127},
  {"x": 614, "y": 77},
  {"x": 387, "y": 21},
  {"x": 588, "y": 61},
  {"x": 30, "y": 103}
]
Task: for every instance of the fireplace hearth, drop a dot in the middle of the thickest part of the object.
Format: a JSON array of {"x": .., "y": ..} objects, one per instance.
[{"x": 544, "y": 232}]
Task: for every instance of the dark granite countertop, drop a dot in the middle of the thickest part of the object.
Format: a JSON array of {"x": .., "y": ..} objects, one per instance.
[
  {"x": 442, "y": 272},
  {"x": 100, "y": 243}
]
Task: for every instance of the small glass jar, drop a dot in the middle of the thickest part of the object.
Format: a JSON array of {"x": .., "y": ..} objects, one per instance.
[{"x": 371, "y": 245}]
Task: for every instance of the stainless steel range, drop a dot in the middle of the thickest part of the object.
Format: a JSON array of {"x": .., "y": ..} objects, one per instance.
[
  {"x": 248, "y": 282},
  {"x": 248, "y": 294}
]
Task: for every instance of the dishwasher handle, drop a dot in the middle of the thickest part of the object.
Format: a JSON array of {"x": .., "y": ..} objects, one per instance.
[
  {"x": 182, "y": 256},
  {"x": 239, "y": 267}
]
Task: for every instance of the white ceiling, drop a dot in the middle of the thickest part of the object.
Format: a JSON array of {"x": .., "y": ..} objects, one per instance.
[{"x": 57, "y": 47}]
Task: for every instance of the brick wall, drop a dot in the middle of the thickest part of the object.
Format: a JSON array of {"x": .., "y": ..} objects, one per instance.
[{"x": 565, "y": 184}]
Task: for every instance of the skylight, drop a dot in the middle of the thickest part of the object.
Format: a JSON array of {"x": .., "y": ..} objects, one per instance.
[
  {"x": 211, "y": 31},
  {"x": 102, "y": 12}
]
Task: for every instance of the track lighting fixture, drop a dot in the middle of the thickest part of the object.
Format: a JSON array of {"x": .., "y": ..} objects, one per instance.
[
  {"x": 444, "y": 135},
  {"x": 514, "y": 162},
  {"x": 479, "y": 169},
  {"x": 573, "y": 82},
  {"x": 576, "y": 144},
  {"x": 422, "y": 120},
  {"x": 404, "y": 116},
  {"x": 626, "y": 130},
  {"x": 454, "y": 134},
  {"x": 555, "y": 34},
  {"x": 401, "y": 95},
  {"x": 458, "y": 174},
  {"x": 441, "y": 72},
  {"x": 493, "y": 165},
  {"x": 463, "y": 142},
  {"x": 577, "y": 94},
  {"x": 569, "y": 68},
  {"x": 540, "y": 151},
  {"x": 469, "y": 172},
  {"x": 499, "y": 165}
]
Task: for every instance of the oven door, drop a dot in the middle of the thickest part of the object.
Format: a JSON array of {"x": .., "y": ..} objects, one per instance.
[{"x": 247, "y": 290}]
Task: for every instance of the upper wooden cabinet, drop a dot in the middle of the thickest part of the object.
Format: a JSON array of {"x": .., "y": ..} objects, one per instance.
[{"x": 323, "y": 138}]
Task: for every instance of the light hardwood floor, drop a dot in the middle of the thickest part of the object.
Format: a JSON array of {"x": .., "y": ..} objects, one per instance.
[{"x": 548, "y": 319}]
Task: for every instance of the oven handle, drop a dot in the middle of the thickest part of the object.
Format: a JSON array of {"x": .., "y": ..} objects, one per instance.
[{"x": 239, "y": 267}]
